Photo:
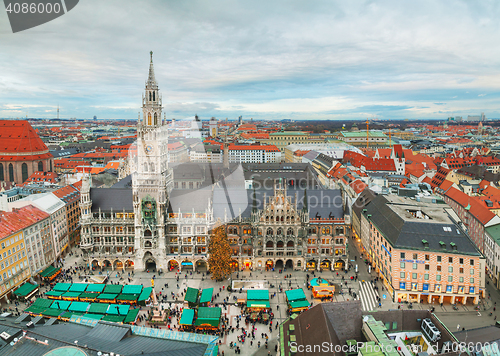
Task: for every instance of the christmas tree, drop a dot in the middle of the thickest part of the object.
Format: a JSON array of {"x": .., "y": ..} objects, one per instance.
[{"x": 219, "y": 254}]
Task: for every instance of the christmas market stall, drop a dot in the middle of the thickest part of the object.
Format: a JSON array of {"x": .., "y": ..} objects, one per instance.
[
  {"x": 49, "y": 273},
  {"x": 26, "y": 291},
  {"x": 208, "y": 318},
  {"x": 191, "y": 297},
  {"x": 145, "y": 296},
  {"x": 321, "y": 288},
  {"x": 297, "y": 300},
  {"x": 187, "y": 318},
  {"x": 206, "y": 297}
]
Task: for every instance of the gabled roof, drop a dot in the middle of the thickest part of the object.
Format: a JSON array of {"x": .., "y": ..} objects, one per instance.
[
  {"x": 19, "y": 219},
  {"x": 475, "y": 208}
]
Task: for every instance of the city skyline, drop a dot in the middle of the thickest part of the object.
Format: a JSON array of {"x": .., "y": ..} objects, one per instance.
[{"x": 265, "y": 61}]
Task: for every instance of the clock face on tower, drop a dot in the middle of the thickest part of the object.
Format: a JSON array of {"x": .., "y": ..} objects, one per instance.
[{"x": 149, "y": 149}]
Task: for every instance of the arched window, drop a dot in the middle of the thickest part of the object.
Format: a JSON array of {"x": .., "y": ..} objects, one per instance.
[
  {"x": 149, "y": 118},
  {"x": 152, "y": 165},
  {"x": 50, "y": 166},
  {"x": 40, "y": 166},
  {"x": 149, "y": 96},
  {"x": 154, "y": 99},
  {"x": 289, "y": 232},
  {"x": 156, "y": 118},
  {"x": 269, "y": 231},
  {"x": 24, "y": 171},
  {"x": 280, "y": 231},
  {"x": 11, "y": 172},
  {"x": 145, "y": 167},
  {"x": 1, "y": 172}
]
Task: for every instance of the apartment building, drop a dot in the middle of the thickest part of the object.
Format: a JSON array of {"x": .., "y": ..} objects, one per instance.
[
  {"x": 421, "y": 253},
  {"x": 14, "y": 266}
]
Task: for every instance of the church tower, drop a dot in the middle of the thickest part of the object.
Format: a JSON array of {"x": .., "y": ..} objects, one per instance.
[{"x": 150, "y": 180}]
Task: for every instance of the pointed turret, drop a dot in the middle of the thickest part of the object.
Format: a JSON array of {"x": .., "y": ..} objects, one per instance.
[{"x": 151, "y": 78}]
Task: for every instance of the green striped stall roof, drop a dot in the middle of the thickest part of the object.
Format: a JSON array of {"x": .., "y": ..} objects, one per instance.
[
  {"x": 132, "y": 289},
  {"x": 53, "y": 293},
  {"x": 127, "y": 297},
  {"x": 94, "y": 316},
  {"x": 295, "y": 294},
  {"x": 113, "y": 289},
  {"x": 53, "y": 312},
  {"x": 211, "y": 322},
  {"x": 187, "y": 317},
  {"x": 49, "y": 271},
  {"x": 145, "y": 294},
  {"x": 78, "y": 287},
  {"x": 95, "y": 287},
  {"x": 114, "y": 318},
  {"x": 191, "y": 295},
  {"x": 35, "y": 310},
  {"x": 107, "y": 296},
  {"x": 25, "y": 289},
  {"x": 42, "y": 303},
  {"x": 209, "y": 313},
  {"x": 258, "y": 304},
  {"x": 69, "y": 314},
  {"x": 206, "y": 295},
  {"x": 88, "y": 295},
  {"x": 61, "y": 304},
  {"x": 62, "y": 287},
  {"x": 131, "y": 316},
  {"x": 257, "y": 294},
  {"x": 299, "y": 304},
  {"x": 79, "y": 307},
  {"x": 98, "y": 308},
  {"x": 71, "y": 295},
  {"x": 118, "y": 309}
]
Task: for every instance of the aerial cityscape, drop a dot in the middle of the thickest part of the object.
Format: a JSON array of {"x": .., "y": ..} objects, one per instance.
[{"x": 284, "y": 178}]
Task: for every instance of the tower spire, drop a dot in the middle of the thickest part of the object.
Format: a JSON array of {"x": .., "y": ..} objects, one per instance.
[{"x": 151, "y": 77}]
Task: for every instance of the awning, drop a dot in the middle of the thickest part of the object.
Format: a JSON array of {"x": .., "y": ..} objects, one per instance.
[
  {"x": 90, "y": 296},
  {"x": 132, "y": 289},
  {"x": 187, "y": 263},
  {"x": 61, "y": 287},
  {"x": 78, "y": 307},
  {"x": 299, "y": 304},
  {"x": 206, "y": 295},
  {"x": 78, "y": 287},
  {"x": 127, "y": 297},
  {"x": 98, "y": 308},
  {"x": 209, "y": 313},
  {"x": 53, "y": 294},
  {"x": 118, "y": 309},
  {"x": 114, "y": 318},
  {"x": 26, "y": 290},
  {"x": 113, "y": 289},
  {"x": 107, "y": 296},
  {"x": 131, "y": 316},
  {"x": 258, "y": 304},
  {"x": 187, "y": 317},
  {"x": 71, "y": 295},
  {"x": 35, "y": 310},
  {"x": 42, "y": 303},
  {"x": 52, "y": 312},
  {"x": 207, "y": 322},
  {"x": 145, "y": 294},
  {"x": 295, "y": 294},
  {"x": 95, "y": 288},
  {"x": 50, "y": 272},
  {"x": 191, "y": 295},
  {"x": 257, "y": 294},
  {"x": 94, "y": 316},
  {"x": 61, "y": 304}
]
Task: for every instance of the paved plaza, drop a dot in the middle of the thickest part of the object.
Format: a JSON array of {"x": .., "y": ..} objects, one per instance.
[{"x": 465, "y": 317}]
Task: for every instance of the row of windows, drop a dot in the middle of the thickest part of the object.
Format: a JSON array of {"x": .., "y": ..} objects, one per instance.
[
  {"x": 24, "y": 171},
  {"x": 438, "y": 258}
]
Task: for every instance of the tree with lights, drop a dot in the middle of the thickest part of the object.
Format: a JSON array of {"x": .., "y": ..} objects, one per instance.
[{"x": 219, "y": 251}]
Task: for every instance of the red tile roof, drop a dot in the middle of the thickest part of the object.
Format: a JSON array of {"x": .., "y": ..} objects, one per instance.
[
  {"x": 18, "y": 137},
  {"x": 68, "y": 193},
  {"x": 40, "y": 177},
  {"x": 481, "y": 213},
  {"x": 19, "y": 219}
]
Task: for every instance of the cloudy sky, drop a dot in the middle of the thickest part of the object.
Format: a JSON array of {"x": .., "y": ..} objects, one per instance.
[{"x": 261, "y": 59}]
